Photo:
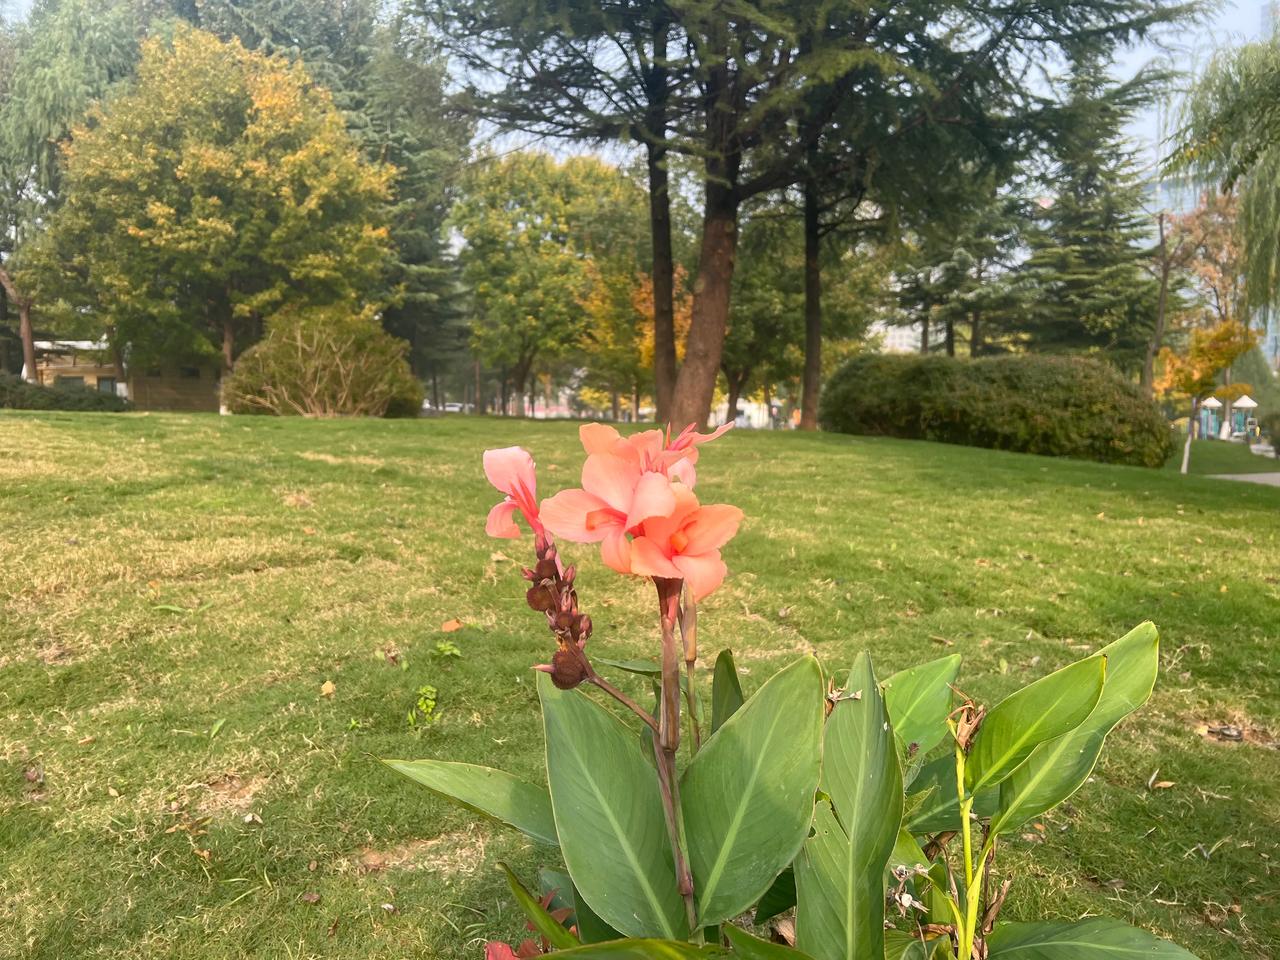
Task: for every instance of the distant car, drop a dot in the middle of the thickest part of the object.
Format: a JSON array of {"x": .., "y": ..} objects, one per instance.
[{"x": 453, "y": 408}]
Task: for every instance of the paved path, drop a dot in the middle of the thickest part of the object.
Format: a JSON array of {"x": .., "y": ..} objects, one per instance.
[{"x": 1270, "y": 479}]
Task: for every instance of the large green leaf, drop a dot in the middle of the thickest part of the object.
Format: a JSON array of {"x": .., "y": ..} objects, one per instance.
[
  {"x": 1040, "y": 711},
  {"x": 780, "y": 897},
  {"x": 726, "y": 691},
  {"x": 753, "y": 948},
  {"x": 1098, "y": 938},
  {"x": 840, "y": 882},
  {"x": 591, "y": 929},
  {"x": 490, "y": 792},
  {"x": 546, "y": 925},
  {"x": 747, "y": 797},
  {"x": 609, "y": 816},
  {"x": 1055, "y": 770},
  {"x": 940, "y": 808},
  {"x": 645, "y": 950},
  {"x": 919, "y": 700},
  {"x": 903, "y": 946}
]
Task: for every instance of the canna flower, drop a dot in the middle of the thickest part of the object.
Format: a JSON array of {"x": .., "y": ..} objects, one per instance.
[
  {"x": 685, "y": 544},
  {"x": 616, "y": 497},
  {"x": 651, "y": 450},
  {"x": 511, "y": 470}
]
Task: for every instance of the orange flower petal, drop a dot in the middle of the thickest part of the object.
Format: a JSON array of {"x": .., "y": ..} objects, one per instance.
[
  {"x": 702, "y": 572},
  {"x": 565, "y": 515},
  {"x": 711, "y": 527}
]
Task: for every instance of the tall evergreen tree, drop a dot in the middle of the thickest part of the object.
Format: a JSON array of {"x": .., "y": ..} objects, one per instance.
[{"x": 1091, "y": 233}]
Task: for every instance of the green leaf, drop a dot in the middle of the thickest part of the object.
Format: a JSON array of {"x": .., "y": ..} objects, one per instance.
[
  {"x": 591, "y": 929},
  {"x": 919, "y": 700},
  {"x": 492, "y": 793},
  {"x": 840, "y": 872},
  {"x": 609, "y": 816},
  {"x": 747, "y": 797},
  {"x": 646, "y": 668},
  {"x": 645, "y": 950},
  {"x": 1056, "y": 769},
  {"x": 780, "y": 897},
  {"x": 903, "y": 946},
  {"x": 1098, "y": 938},
  {"x": 939, "y": 808},
  {"x": 726, "y": 691},
  {"x": 1040, "y": 711},
  {"x": 753, "y": 948},
  {"x": 546, "y": 925}
]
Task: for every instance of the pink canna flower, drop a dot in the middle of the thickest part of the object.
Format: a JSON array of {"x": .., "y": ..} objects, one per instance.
[
  {"x": 616, "y": 497},
  {"x": 651, "y": 450},
  {"x": 685, "y": 544},
  {"x": 511, "y": 470}
]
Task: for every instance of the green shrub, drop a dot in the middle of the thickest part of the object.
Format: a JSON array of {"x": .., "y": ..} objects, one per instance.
[
  {"x": 1054, "y": 406},
  {"x": 18, "y": 394},
  {"x": 324, "y": 362},
  {"x": 1269, "y": 423}
]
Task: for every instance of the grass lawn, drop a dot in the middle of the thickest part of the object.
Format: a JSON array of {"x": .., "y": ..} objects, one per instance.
[
  {"x": 1220, "y": 456},
  {"x": 177, "y": 589}
]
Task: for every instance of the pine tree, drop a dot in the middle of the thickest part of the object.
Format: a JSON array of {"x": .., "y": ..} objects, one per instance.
[{"x": 1091, "y": 234}]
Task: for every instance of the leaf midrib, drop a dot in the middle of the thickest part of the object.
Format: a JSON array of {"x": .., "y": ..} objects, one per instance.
[
  {"x": 628, "y": 850},
  {"x": 735, "y": 824},
  {"x": 1003, "y": 758}
]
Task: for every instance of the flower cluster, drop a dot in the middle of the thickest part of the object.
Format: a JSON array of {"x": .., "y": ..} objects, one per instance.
[{"x": 636, "y": 501}]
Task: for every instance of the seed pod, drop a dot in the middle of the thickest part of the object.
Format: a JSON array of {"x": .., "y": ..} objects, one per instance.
[
  {"x": 567, "y": 670},
  {"x": 540, "y": 597}
]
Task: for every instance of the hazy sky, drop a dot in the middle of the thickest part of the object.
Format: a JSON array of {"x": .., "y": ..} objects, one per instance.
[{"x": 1235, "y": 22}]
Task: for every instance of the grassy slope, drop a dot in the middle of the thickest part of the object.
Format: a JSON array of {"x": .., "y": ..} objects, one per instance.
[
  {"x": 1218, "y": 456},
  {"x": 303, "y": 549}
]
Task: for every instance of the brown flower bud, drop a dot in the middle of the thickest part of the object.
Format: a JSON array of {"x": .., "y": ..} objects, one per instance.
[
  {"x": 540, "y": 597},
  {"x": 545, "y": 570},
  {"x": 567, "y": 670}
]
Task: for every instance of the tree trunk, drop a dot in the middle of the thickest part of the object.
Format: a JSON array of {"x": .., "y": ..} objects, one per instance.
[
  {"x": 812, "y": 307},
  {"x": 768, "y": 403},
  {"x": 635, "y": 402},
  {"x": 1191, "y": 429},
  {"x": 696, "y": 382},
  {"x": 505, "y": 390},
  {"x": 1162, "y": 301},
  {"x": 735, "y": 384},
  {"x": 924, "y": 335},
  {"x": 616, "y": 406},
  {"x": 949, "y": 333},
  {"x": 975, "y": 334},
  {"x": 228, "y": 344},
  {"x": 27, "y": 334},
  {"x": 664, "y": 324},
  {"x": 480, "y": 399}
]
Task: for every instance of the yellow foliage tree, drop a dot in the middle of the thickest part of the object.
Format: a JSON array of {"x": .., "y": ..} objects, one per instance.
[
  {"x": 1193, "y": 373},
  {"x": 220, "y": 187}
]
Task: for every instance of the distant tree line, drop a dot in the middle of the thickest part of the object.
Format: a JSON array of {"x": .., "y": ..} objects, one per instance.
[{"x": 650, "y": 207}]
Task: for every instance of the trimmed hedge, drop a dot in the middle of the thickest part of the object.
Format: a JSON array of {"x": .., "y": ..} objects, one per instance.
[
  {"x": 18, "y": 394},
  {"x": 1053, "y": 406}
]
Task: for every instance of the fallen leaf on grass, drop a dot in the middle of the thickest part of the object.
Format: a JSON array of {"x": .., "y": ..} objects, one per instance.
[
  {"x": 328, "y": 689},
  {"x": 1154, "y": 784},
  {"x": 85, "y": 741},
  {"x": 450, "y": 625},
  {"x": 310, "y": 897}
]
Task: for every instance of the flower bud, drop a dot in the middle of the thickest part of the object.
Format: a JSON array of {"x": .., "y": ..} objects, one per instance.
[
  {"x": 567, "y": 670},
  {"x": 540, "y": 597}
]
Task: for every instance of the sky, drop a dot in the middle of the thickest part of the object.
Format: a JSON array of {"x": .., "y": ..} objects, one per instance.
[{"x": 1190, "y": 47}]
